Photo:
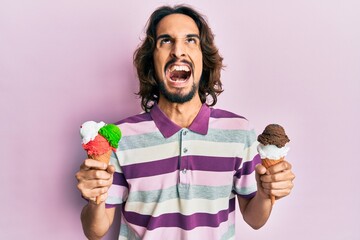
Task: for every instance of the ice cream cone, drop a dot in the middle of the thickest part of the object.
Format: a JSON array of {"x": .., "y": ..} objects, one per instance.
[
  {"x": 266, "y": 162},
  {"x": 272, "y": 147},
  {"x": 99, "y": 140},
  {"x": 105, "y": 158}
]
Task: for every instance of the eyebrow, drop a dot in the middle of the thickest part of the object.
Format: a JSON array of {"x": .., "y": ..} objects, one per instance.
[{"x": 168, "y": 36}]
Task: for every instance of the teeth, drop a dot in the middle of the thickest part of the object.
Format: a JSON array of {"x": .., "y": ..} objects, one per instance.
[{"x": 179, "y": 68}]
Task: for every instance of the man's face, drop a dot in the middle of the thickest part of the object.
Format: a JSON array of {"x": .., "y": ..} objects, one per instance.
[{"x": 178, "y": 58}]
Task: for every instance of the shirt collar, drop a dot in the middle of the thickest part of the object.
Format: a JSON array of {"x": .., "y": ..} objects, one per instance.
[{"x": 168, "y": 128}]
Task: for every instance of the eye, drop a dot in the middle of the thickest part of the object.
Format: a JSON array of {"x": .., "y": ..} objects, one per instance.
[
  {"x": 192, "y": 40},
  {"x": 165, "y": 41}
]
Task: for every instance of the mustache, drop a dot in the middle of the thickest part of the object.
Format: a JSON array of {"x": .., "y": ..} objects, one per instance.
[{"x": 174, "y": 60}]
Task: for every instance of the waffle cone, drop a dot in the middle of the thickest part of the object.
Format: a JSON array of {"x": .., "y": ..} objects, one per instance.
[
  {"x": 105, "y": 158},
  {"x": 267, "y": 162}
]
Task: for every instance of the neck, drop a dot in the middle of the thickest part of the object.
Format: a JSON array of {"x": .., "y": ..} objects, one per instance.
[{"x": 182, "y": 114}]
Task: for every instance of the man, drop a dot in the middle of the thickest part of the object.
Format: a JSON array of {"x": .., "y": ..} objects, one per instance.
[{"x": 180, "y": 165}]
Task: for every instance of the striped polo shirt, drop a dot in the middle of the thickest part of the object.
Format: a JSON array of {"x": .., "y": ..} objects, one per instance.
[{"x": 180, "y": 183}]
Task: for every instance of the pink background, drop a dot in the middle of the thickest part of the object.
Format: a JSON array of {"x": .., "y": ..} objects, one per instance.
[{"x": 296, "y": 63}]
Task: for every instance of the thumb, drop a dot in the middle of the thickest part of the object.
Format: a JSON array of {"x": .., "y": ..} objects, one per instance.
[
  {"x": 260, "y": 169},
  {"x": 110, "y": 169}
]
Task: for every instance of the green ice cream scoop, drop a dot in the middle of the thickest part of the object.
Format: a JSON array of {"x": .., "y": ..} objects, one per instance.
[{"x": 112, "y": 133}]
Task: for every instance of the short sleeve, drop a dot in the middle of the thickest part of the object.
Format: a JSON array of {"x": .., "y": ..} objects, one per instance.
[
  {"x": 244, "y": 183},
  {"x": 118, "y": 192}
]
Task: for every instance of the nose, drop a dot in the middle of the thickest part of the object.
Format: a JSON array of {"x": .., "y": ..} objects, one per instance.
[{"x": 178, "y": 49}]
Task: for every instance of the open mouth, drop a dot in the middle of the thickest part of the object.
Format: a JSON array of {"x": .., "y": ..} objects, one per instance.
[{"x": 179, "y": 73}]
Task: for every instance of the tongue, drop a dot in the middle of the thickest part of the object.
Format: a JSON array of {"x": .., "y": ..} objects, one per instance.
[{"x": 178, "y": 75}]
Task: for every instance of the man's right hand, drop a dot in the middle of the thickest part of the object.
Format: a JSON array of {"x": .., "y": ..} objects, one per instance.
[{"x": 94, "y": 179}]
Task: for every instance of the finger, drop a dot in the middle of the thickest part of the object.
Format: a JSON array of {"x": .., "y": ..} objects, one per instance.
[
  {"x": 278, "y": 193},
  {"x": 278, "y": 185},
  {"x": 93, "y": 184},
  {"x": 93, "y": 193},
  {"x": 93, "y": 174},
  {"x": 260, "y": 169},
  {"x": 286, "y": 175},
  {"x": 100, "y": 174},
  {"x": 281, "y": 166},
  {"x": 87, "y": 187},
  {"x": 93, "y": 164}
]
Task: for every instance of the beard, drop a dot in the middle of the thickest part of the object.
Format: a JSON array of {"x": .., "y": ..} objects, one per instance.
[{"x": 177, "y": 97}]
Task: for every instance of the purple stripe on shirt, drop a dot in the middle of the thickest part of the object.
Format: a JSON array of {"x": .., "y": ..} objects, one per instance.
[
  {"x": 186, "y": 222},
  {"x": 119, "y": 179},
  {"x": 201, "y": 163},
  {"x": 107, "y": 205},
  {"x": 150, "y": 168},
  {"x": 216, "y": 164},
  {"x": 248, "y": 167}
]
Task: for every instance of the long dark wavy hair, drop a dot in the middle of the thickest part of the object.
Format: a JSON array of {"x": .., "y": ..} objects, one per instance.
[{"x": 210, "y": 83}]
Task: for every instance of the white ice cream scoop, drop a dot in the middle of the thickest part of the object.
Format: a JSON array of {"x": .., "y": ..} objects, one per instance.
[
  {"x": 89, "y": 130},
  {"x": 272, "y": 151}
]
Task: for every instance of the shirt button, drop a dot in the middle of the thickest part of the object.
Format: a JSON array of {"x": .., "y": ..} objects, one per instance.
[
  {"x": 184, "y": 133},
  {"x": 185, "y": 150},
  {"x": 184, "y": 171}
]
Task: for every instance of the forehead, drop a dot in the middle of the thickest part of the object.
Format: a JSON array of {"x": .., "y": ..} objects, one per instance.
[{"x": 177, "y": 25}]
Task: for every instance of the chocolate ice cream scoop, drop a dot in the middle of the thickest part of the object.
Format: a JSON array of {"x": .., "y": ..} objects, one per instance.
[{"x": 273, "y": 134}]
